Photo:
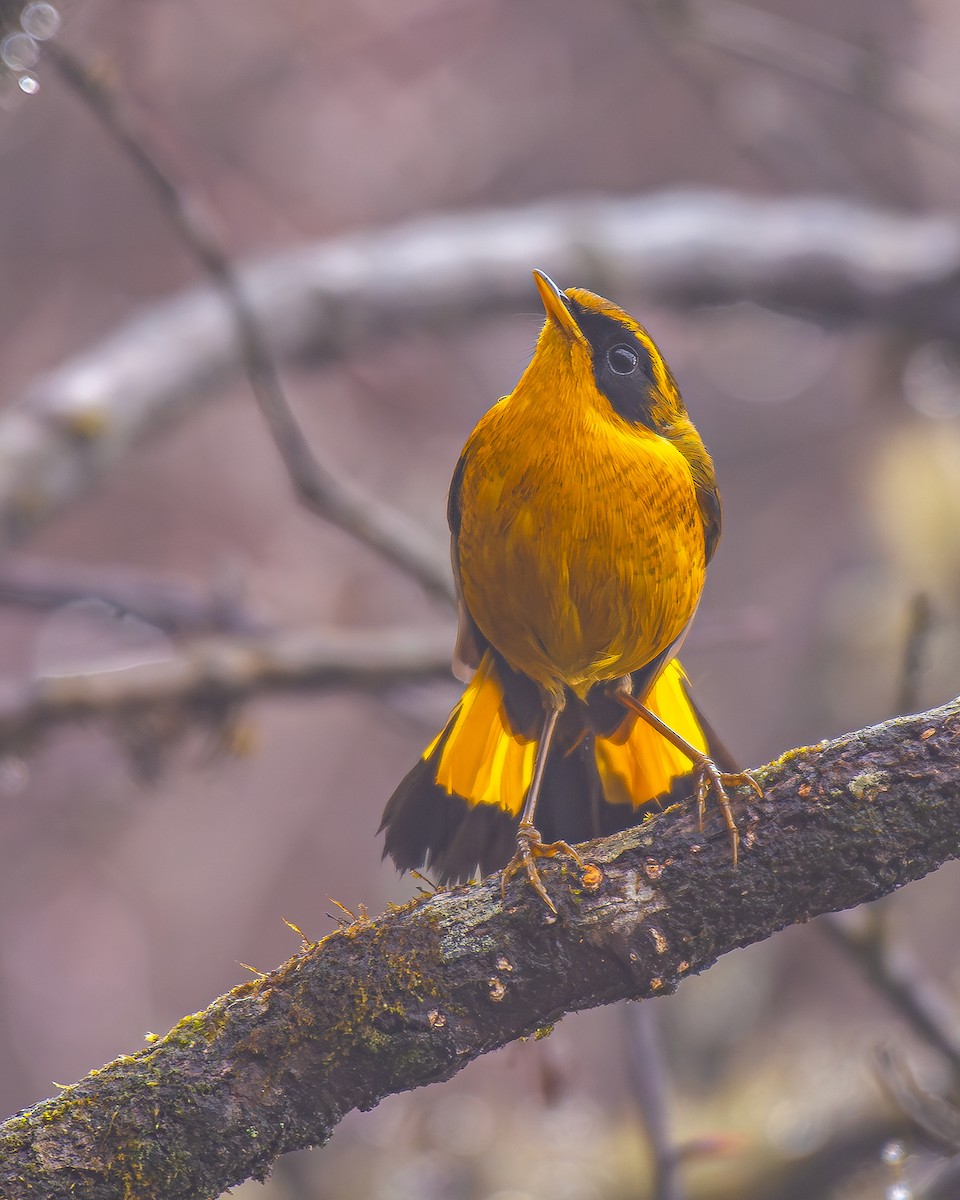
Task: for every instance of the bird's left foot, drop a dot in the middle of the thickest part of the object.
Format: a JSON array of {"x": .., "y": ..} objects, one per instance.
[
  {"x": 530, "y": 847},
  {"x": 709, "y": 778}
]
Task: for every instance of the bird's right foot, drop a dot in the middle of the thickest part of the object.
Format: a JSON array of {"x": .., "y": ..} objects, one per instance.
[
  {"x": 530, "y": 847},
  {"x": 709, "y": 778}
]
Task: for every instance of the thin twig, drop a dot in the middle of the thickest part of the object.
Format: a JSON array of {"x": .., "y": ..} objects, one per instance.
[
  {"x": 316, "y": 484},
  {"x": 921, "y": 622},
  {"x": 664, "y": 44},
  {"x": 647, "y": 1073},
  {"x": 171, "y": 605},
  {"x": 903, "y": 988},
  {"x": 829, "y": 62}
]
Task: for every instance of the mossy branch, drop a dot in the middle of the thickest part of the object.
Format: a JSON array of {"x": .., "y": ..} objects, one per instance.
[{"x": 413, "y": 996}]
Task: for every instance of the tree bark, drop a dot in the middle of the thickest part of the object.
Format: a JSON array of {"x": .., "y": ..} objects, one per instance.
[{"x": 409, "y": 998}]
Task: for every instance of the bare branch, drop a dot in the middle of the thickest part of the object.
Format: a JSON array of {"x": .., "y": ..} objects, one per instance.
[
  {"x": 649, "y": 1084},
  {"x": 208, "y": 677},
  {"x": 835, "y": 261},
  {"x": 316, "y": 484},
  {"x": 412, "y": 997},
  {"x": 922, "y": 620},
  {"x": 781, "y": 42},
  {"x": 210, "y": 674},
  {"x": 174, "y": 606}
]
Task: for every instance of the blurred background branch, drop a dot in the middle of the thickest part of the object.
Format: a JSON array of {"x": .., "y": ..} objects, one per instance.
[
  {"x": 865, "y": 939},
  {"x": 833, "y": 261},
  {"x": 174, "y": 606},
  {"x": 862, "y": 73},
  {"x": 204, "y": 679},
  {"x": 316, "y": 484}
]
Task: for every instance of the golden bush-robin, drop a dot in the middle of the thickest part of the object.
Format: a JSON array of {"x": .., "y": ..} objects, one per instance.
[{"x": 583, "y": 512}]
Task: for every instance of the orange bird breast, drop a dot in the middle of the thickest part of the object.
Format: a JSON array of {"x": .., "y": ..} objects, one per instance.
[{"x": 581, "y": 548}]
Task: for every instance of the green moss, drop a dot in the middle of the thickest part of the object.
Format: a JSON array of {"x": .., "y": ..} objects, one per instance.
[
  {"x": 388, "y": 986},
  {"x": 207, "y": 1025},
  {"x": 372, "y": 1003},
  {"x": 64, "y": 1107},
  {"x": 789, "y": 756}
]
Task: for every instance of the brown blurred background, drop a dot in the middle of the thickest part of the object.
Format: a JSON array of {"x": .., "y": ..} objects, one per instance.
[{"x": 136, "y": 876}]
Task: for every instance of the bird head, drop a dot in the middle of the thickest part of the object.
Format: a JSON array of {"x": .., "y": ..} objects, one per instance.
[{"x": 603, "y": 355}]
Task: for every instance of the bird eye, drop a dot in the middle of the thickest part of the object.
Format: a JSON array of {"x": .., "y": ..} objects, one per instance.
[{"x": 622, "y": 359}]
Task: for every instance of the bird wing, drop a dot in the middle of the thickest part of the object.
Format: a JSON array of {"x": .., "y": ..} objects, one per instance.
[
  {"x": 684, "y": 436},
  {"x": 471, "y": 643},
  {"x": 708, "y": 500}
]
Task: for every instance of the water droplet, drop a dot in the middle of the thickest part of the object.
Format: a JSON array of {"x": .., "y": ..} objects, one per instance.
[
  {"x": 893, "y": 1153},
  {"x": 19, "y": 51},
  {"x": 29, "y": 84},
  {"x": 898, "y": 1191},
  {"x": 40, "y": 20}
]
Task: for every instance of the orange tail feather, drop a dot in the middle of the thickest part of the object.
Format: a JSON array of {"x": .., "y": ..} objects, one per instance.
[{"x": 459, "y": 806}]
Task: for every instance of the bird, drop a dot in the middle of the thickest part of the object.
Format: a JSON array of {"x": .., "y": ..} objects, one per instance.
[{"x": 583, "y": 512}]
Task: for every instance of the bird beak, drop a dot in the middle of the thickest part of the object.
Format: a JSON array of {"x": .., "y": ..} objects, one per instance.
[{"x": 555, "y": 306}]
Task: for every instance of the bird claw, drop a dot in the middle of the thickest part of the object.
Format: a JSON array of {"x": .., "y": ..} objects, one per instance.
[
  {"x": 530, "y": 847},
  {"x": 711, "y": 779}
]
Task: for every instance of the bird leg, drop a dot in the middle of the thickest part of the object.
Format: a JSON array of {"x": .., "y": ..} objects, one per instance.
[
  {"x": 708, "y": 775},
  {"x": 530, "y": 846}
]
